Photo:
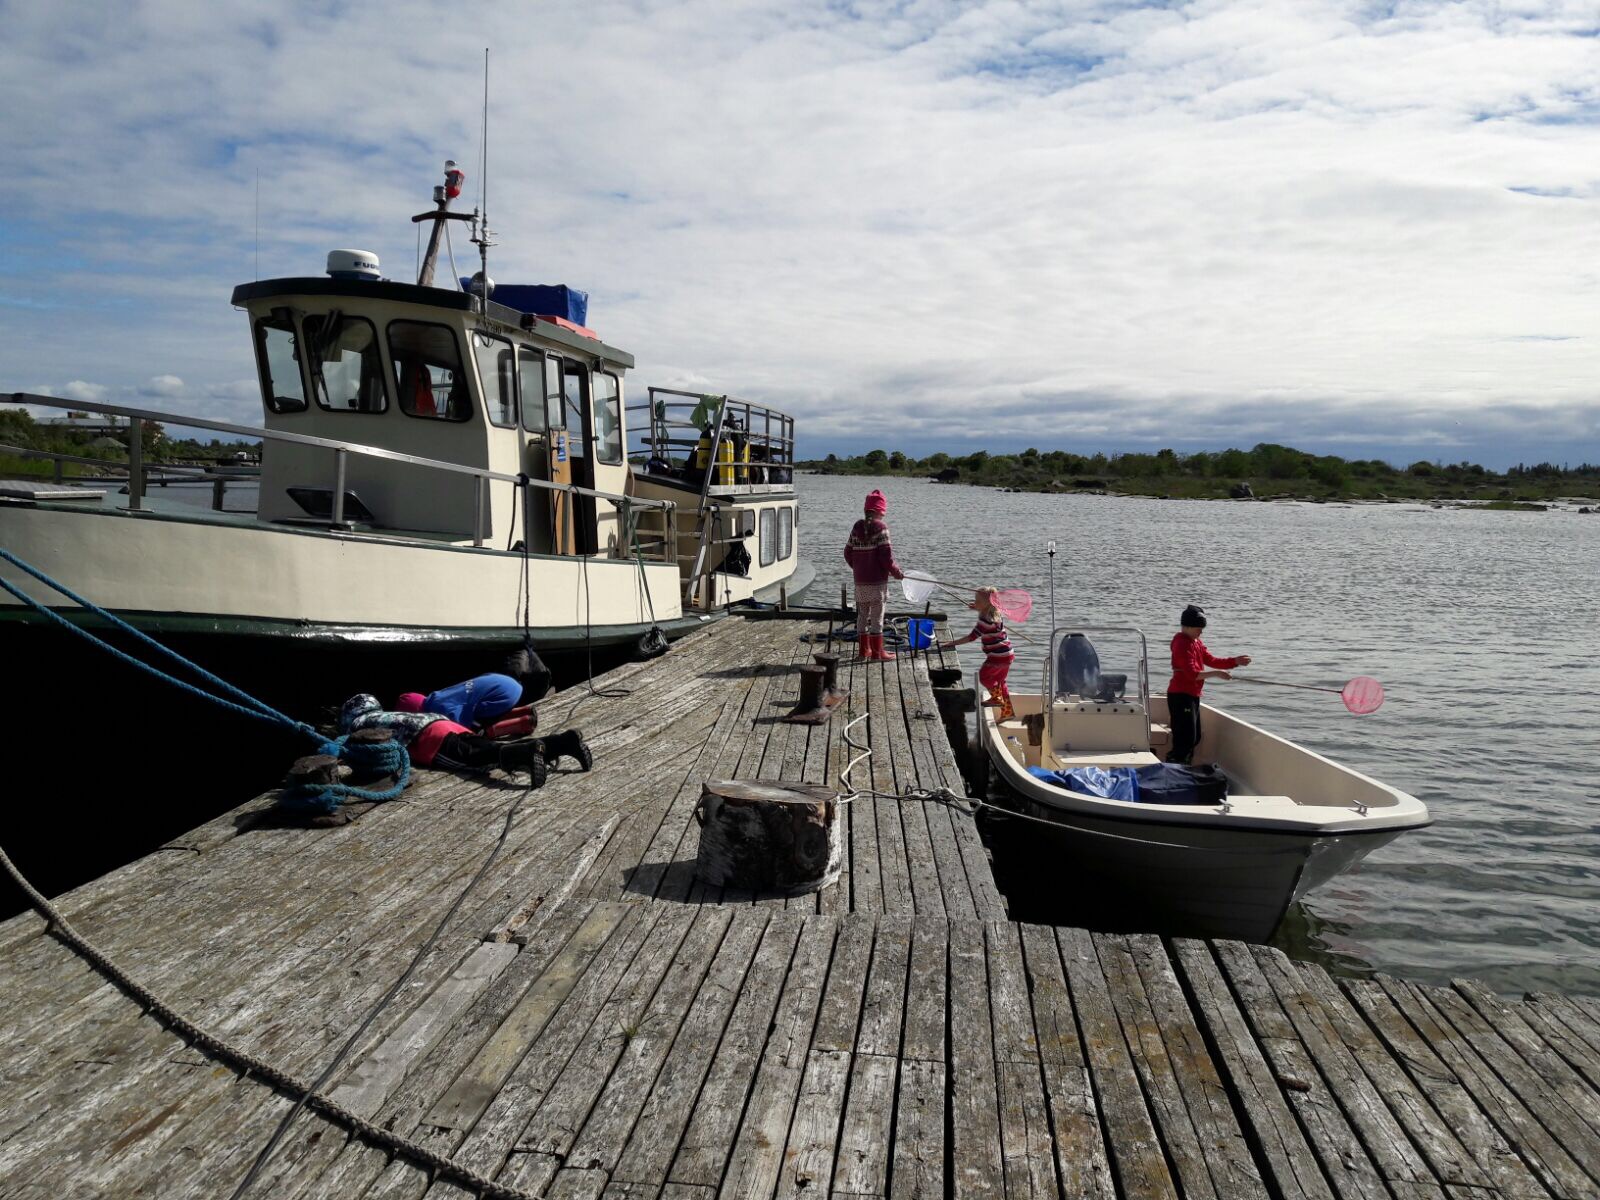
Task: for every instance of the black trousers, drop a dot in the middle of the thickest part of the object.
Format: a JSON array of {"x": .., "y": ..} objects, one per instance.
[
  {"x": 1184, "y": 716},
  {"x": 466, "y": 752}
]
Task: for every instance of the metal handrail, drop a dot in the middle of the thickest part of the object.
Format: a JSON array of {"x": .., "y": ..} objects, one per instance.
[
  {"x": 56, "y": 456},
  {"x": 302, "y": 439},
  {"x": 769, "y": 430}
]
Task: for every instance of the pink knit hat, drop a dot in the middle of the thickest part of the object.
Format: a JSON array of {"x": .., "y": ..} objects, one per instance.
[
  {"x": 876, "y": 503},
  {"x": 410, "y": 702}
]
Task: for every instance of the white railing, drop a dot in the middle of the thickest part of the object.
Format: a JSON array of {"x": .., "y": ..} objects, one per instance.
[{"x": 139, "y": 472}]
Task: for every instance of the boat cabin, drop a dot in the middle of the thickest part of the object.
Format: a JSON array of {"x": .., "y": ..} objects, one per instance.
[{"x": 437, "y": 374}]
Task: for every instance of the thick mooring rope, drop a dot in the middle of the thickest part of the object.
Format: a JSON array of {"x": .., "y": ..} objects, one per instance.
[{"x": 307, "y": 1094}]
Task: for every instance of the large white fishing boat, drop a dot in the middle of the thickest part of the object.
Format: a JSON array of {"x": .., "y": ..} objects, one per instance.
[
  {"x": 438, "y": 466},
  {"x": 1291, "y": 819}
]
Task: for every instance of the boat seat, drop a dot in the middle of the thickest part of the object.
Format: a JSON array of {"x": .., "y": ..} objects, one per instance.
[
  {"x": 1103, "y": 758},
  {"x": 1160, "y": 735}
]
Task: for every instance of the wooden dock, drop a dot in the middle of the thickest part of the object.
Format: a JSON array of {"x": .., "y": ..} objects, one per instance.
[{"x": 594, "y": 1022}]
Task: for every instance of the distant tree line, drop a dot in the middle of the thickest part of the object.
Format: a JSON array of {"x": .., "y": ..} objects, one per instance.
[
  {"x": 18, "y": 428},
  {"x": 1265, "y": 469}
]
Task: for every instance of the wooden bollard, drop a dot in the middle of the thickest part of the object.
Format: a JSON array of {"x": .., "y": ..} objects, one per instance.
[{"x": 766, "y": 836}]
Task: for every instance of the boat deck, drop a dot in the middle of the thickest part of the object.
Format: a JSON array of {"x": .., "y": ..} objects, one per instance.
[{"x": 593, "y": 1022}]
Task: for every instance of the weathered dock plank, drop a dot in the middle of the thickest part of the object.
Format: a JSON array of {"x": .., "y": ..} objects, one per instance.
[{"x": 594, "y": 1024}]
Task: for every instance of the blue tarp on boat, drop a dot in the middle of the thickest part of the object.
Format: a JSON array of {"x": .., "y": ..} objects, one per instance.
[
  {"x": 542, "y": 299},
  {"x": 1160, "y": 783}
]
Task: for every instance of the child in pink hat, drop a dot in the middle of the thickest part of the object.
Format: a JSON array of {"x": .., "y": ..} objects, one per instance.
[{"x": 871, "y": 560}]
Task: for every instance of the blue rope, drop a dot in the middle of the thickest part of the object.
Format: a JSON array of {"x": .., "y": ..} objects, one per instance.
[
  {"x": 257, "y": 710},
  {"x": 383, "y": 758},
  {"x": 373, "y": 759}
]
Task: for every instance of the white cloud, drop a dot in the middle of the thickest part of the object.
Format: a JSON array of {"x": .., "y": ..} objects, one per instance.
[
  {"x": 162, "y": 385},
  {"x": 79, "y": 390},
  {"x": 1228, "y": 219}
]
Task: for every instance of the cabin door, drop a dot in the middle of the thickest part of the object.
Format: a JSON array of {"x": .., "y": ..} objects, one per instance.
[
  {"x": 558, "y": 458},
  {"x": 577, "y": 410},
  {"x": 538, "y": 519}
]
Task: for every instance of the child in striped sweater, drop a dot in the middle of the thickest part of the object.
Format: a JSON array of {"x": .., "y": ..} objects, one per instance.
[{"x": 997, "y": 653}]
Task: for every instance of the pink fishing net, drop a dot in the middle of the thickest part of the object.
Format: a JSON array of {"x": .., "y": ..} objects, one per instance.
[
  {"x": 1014, "y": 603},
  {"x": 1362, "y": 695}
]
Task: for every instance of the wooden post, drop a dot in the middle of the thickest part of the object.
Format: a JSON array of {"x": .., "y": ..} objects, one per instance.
[{"x": 765, "y": 836}]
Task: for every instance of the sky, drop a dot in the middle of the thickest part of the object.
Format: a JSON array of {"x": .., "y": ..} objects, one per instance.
[{"x": 1368, "y": 229}]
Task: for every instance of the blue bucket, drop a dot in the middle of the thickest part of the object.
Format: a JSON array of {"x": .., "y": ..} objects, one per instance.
[{"x": 919, "y": 633}]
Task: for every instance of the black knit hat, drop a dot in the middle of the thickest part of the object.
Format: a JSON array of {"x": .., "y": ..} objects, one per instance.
[{"x": 1194, "y": 616}]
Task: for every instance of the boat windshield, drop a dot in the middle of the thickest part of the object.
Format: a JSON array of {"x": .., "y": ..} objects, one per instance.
[
  {"x": 346, "y": 370},
  {"x": 1099, "y": 664},
  {"x": 278, "y": 357},
  {"x": 427, "y": 366}
]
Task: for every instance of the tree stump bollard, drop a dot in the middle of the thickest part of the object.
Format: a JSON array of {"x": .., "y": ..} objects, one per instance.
[{"x": 781, "y": 838}]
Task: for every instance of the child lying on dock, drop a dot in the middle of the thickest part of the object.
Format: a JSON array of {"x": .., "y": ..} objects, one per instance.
[
  {"x": 491, "y": 704},
  {"x": 435, "y": 740}
]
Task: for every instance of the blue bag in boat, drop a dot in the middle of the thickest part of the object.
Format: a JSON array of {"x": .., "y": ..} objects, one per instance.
[
  {"x": 1176, "y": 783},
  {"x": 1117, "y": 783}
]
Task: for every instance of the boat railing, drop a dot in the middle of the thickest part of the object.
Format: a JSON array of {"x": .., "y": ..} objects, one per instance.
[
  {"x": 719, "y": 444},
  {"x": 659, "y": 546}
]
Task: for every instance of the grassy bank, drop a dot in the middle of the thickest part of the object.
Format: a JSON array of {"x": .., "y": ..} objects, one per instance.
[{"x": 1265, "y": 472}]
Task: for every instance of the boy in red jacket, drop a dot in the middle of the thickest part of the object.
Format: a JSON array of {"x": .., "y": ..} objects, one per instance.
[
  {"x": 1190, "y": 660},
  {"x": 871, "y": 560}
]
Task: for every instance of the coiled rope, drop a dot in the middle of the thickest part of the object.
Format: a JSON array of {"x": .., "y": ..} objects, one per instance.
[{"x": 366, "y": 759}]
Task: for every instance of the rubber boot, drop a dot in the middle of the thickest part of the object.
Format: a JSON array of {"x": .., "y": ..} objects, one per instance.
[
  {"x": 864, "y": 644},
  {"x": 568, "y": 744},
  {"x": 879, "y": 652},
  {"x": 519, "y": 722},
  {"x": 525, "y": 756}
]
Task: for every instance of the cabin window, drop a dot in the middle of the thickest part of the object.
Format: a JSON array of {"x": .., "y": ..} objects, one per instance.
[
  {"x": 346, "y": 369},
  {"x": 530, "y": 375},
  {"x": 574, "y": 378},
  {"x": 278, "y": 359},
  {"x": 427, "y": 370},
  {"x": 769, "y": 536},
  {"x": 607, "y": 418},
  {"x": 785, "y": 532},
  {"x": 497, "y": 374},
  {"x": 554, "y": 414}
]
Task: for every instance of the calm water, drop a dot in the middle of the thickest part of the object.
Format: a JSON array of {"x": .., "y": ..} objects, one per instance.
[{"x": 1479, "y": 624}]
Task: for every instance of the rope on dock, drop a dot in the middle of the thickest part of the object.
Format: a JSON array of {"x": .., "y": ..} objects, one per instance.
[{"x": 307, "y": 1095}]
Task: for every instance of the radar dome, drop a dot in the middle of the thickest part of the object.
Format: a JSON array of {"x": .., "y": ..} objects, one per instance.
[{"x": 353, "y": 264}]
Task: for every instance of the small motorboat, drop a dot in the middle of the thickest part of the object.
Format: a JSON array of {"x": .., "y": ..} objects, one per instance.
[{"x": 1290, "y": 821}]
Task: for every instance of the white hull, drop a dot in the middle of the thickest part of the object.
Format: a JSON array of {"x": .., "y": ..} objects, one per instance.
[
  {"x": 178, "y": 573},
  {"x": 1207, "y": 870}
]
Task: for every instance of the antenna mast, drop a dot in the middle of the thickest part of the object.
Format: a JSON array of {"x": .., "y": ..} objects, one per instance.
[{"x": 480, "y": 228}]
